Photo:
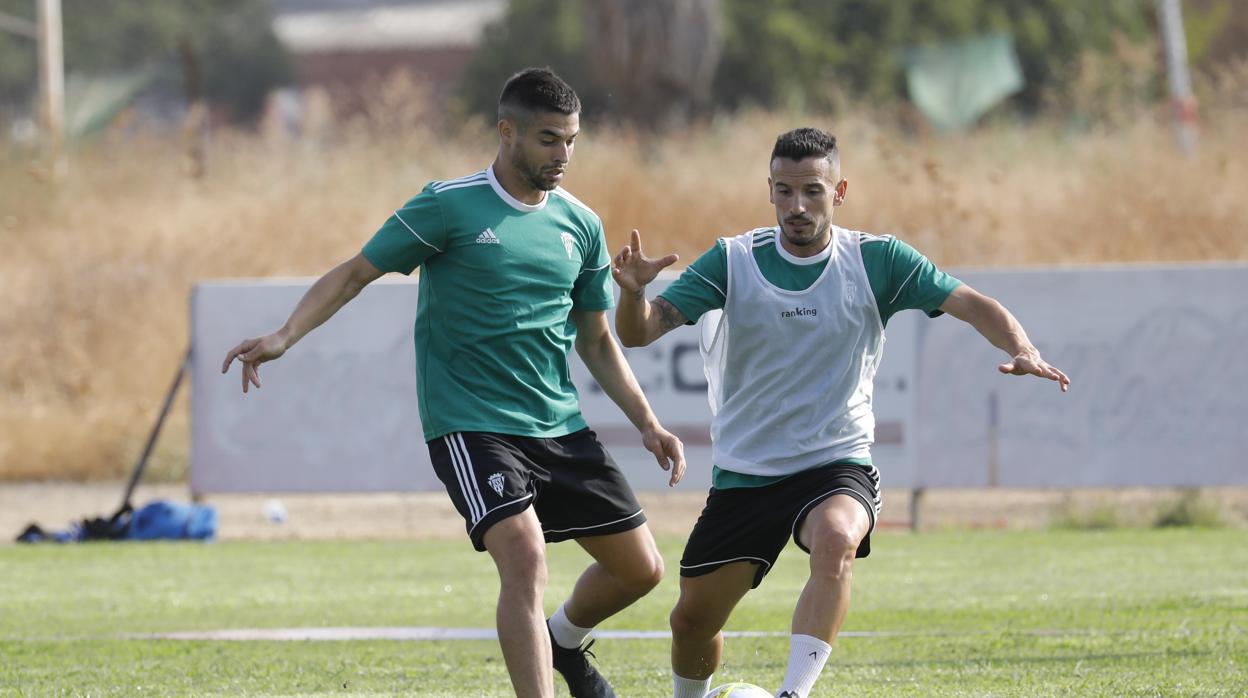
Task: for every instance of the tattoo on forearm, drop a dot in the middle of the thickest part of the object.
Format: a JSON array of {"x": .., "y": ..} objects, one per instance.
[
  {"x": 669, "y": 316},
  {"x": 640, "y": 294}
]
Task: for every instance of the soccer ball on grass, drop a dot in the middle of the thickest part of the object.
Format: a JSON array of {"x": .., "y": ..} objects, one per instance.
[{"x": 738, "y": 690}]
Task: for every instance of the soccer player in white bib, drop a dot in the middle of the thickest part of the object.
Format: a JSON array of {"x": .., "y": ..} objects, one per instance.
[
  {"x": 514, "y": 274},
  {"x": 790, "y": 366}
]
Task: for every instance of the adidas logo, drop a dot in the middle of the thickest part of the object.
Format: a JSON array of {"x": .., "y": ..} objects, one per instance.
[{"x": 487, "y": 237}]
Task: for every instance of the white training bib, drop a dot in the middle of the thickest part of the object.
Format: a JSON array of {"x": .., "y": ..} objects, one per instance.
[{"x": 790, "y": 373}]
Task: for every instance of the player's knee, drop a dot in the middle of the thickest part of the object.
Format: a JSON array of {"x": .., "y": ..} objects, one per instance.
[
  {"x": 689, "y": 625},
  {"x": 647, "y": 574},
  {"x": 523, "y": 567},
  {"x": 832, "y": 552},
  {"x": 681, "y": 622},
  {"x": 638, "y": 574}
]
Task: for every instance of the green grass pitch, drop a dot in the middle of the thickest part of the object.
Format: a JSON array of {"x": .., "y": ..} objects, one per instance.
[{"x": 1115, "y": 613}]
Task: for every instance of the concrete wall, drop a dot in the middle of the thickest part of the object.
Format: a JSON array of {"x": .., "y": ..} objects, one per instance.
[{"x": 1155, "y": 355}]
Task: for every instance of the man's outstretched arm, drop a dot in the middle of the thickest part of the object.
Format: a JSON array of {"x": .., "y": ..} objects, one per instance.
[
  {"x": 598, "y": 349},
  {"x": 999, "y": 326},
  {"x": 330, "y": 292}
]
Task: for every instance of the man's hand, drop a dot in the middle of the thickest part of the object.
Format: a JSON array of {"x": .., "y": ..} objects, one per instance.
[
  {"x": 252, "y": 353},
  {"x": 999, "y": 326},
  {"x": 633, "y": 270},
  {"x": 668, "y": 451},
  {"x": 1028, "y": 362}
]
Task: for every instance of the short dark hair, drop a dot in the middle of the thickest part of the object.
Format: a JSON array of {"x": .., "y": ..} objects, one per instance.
[
  {"x": 802, "y": 143},
  {"x": 536, "y": 90}
]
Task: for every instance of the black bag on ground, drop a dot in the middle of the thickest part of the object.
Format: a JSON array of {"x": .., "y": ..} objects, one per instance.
[{"x": 115, "y": 527}]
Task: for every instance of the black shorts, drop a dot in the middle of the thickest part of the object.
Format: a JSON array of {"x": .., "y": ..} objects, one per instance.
[
  {"x": 574, "y": 486},
  {"x": 753, "y": 524}
]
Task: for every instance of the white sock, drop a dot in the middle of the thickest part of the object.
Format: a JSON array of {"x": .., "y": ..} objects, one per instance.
[
  {"x": 689, "y": 688},
  {"x": 565, "y": 633},
  {"x": 807, "y": 655}
]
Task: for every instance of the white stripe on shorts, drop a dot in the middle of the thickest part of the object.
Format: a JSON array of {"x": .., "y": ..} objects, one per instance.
[
  {"x": 588, "y": 528},
  {"x": 463, "y": 473},
  {"x": 472, "y": 475},
  {"x": 743, "y": 558},
  {"x": 459, "y": 477},
  {"x": 872, "y": 510},
  {"x": 500, "y": 506}
]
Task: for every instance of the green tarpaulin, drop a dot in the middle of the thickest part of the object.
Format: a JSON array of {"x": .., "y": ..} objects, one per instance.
[
  {"x": 93, "y": 101},
  {"x": 956, "y": 82}
]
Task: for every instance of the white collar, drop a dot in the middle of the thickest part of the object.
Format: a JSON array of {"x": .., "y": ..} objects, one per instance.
[
  {"x": 511, "y": 200},
  {"x": 787, "y": 256}
]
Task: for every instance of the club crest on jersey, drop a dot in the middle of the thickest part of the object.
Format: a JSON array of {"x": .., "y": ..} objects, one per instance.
[
  {"x": 568, "y": 243},
  {"x": 496, "y": 483},
  {"x": 851, "y": 291},
  {"x": 800, "y": 312}
]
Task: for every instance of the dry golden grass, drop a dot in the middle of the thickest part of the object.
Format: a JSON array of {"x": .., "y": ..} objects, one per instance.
[{"x": 95, "y": 270}]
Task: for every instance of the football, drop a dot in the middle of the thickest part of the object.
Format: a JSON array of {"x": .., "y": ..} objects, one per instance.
[{"x": 738, "y": 690}]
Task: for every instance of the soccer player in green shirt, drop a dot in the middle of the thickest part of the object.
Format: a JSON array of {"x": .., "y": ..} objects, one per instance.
[
  {"x": 790, "y": 367},
  {"x": 514, "y": 274}
]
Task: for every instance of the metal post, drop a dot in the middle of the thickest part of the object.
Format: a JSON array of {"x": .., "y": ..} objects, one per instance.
[
  {"x": 141, "y": 464},
  {"x": 916, "y": 500},
  {"x": 51, "y": 77},
  {"x": 1170, "y": 19}
]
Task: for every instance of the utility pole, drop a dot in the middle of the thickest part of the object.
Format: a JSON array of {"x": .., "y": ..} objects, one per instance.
[
  {"x": 1170, "y": 19},
  {"x": 51, "y": 78}
]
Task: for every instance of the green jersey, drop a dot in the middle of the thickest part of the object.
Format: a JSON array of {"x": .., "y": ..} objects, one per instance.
[
  {"x": 901, "y": 278},
  {"x": 498, "y": 280}
]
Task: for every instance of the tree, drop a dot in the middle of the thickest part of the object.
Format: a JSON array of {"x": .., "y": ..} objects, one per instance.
[
  {"x": 648, "y": 61},
  {"x": 232, "y": 40},
  {"x": 18, "y": 60},
  {"x": 785, "y": 53},
  {"x": 657, "y": 58},
  {"x": 532, "y": 33},
  {"x": 806, "y": 52}
]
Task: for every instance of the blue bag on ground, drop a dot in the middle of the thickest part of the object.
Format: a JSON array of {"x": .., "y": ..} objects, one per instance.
[{"x": 164, "y": 519}]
